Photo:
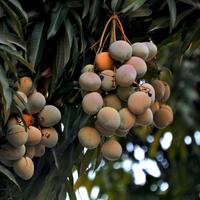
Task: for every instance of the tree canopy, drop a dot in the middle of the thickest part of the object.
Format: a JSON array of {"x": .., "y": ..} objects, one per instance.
[{"x": 51, "y": 41}]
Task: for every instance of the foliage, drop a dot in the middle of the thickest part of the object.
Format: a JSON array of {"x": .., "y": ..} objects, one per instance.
[{"x": 51, "y": 41}]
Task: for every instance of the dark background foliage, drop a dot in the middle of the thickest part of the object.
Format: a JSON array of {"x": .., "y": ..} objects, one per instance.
[{"x": 51, "y": 42}]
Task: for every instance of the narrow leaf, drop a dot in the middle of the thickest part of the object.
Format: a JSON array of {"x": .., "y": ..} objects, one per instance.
[
  {"x": 16, "y": 24},
  {"x": 57, "y": 17},
  {"x": 36, "y": 45},
  {"x": 79, "y": 24},
  {"x": 9, "y": 174},
  {"x": 9, "y": 39},
  {"x": 20, "y": 10},
  {"x": 132, "y": 5},
  {"x": 172, "y": 12},
  {"x": 86, "y": 6},
  {"x": 69, "y": 31},
  {"x": 6, "y": 93},
  {"x": 18, "y": 57}
]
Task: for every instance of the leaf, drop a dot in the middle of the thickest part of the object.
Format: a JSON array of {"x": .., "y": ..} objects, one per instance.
[
  {"x": 6, "y": 93},
  {"x": 69, "y": 31},
  {"x": 18, "y": 7},
  {"x": 16, "y": 24},
  {"x": 9, "y": 174},
  {"x": 70, "y": 190},
  {"x": 86, "y": 7},
  {"x": 94, "y": 10},
  {"x": 132, "y": 5},
  {"x": 172, "y": 12},
  {"x": 8, "y": 63},
  {"x": 18, "y": 57},
  {"x": 159, "y": 23},
  {"x": 141, "y": 12},
  {"x": 85, "y": 161},
  {"x": 58, "y": 15},
  {"x": 182, "y": 15},
  {"x": 9, "y": 39},
  {"x": 115, "y": 4},
  {"x": 190, "y": 36},
  {"x": 62, "y": 54},
  {"x": 79, "y": 23},
  {"x": 36, "y": 44}
]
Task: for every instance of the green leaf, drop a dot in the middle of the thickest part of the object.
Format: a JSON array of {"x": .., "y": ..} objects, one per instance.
[
  {"x": 86, "y": 160},
  {"x": 79, "y": 23},
  {"x": 69, "y": 31},
  {"x": 9, "y": 174},
  {"x": 159, "y": 23},
  {"x": 20, "y": 10},
  {"x": 6, "y": 94},
  {"x": 18, "y": 57},
  {"x": 190, "y": 36},
  {"x": 141, "y": 12},
  {"x": 70, "y": 190},
  {"x": 172, "y": 11},
  {"x": 62, "y": 54},
  {"x": 58, "y": 15},
  {"x": 86, "y": 7},
  {"x": 9, "y": 39},
  {"x": 8, "y": 63},
  {"x": 36, "y": 44},
  {"x": 94, "y": 10},
  {"x": 115, "y": 4},
  {"x": 132, "y": 5},
  {"x": 15, "y": 22}
]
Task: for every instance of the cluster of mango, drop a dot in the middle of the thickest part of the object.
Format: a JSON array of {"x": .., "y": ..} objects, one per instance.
[
  {"x": 28, "y": 137},
  {"x": 117, "y": 97}
]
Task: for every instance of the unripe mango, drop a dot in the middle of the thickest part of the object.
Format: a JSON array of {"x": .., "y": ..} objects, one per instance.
[
  {"x": 36, "y": 101},
  {"x": 39, "y": 150},
  {"x": 159, "y": 89},
  {"x": 24, "y": 168},
  {"x": 109, "y": 118},
  {"x": 88, "y": 68},
  {"x": 49, "y": 137},
  {"x": 138, "y": 64},
  {"x": 49, "y": 116},
  {"x": 162, "y": 118},
  {"x": 20, "y": 100},
  {"x": 103, "y": 131},
  {"x": 30, "y": 151},
  {"x": 112, "y": 101},
  {"x": 125, "y": 75},
  {"x": 89, "y": 137},
  {"x": 92, "y": 103},
  {"x": 139, "y": 49},
  {"x": 145, "y": 118},
  {"x": 127, "y": 119},
  {"x": 120, "y": 50},
  {"x": 111, "y": 150},
  {"x": 146, "y": 87},
  {"x": 16, "y": 135},
  {"x": 152, "y": 50},
  {"x": 124, "y": 92},
  {"x": 107, "y": 80},
  {"x": 89, "y": 81},
  {"x": 12, "y": 153},
  {"x": 34, "y": 135},
  {"x": 138, "y": 102}
]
